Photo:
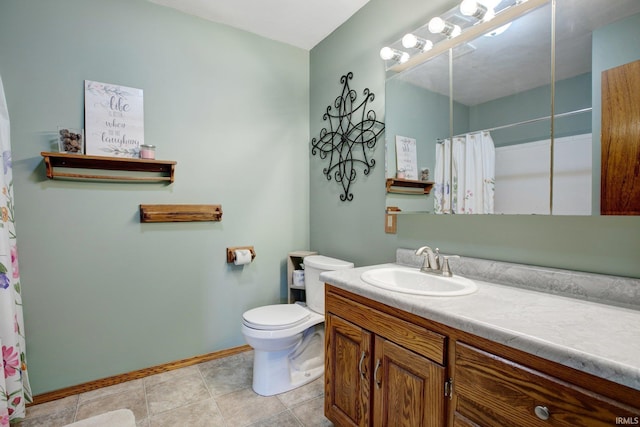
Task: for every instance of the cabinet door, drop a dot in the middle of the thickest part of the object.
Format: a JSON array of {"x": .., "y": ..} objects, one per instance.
[
  {"x": 408, "y": 388},
  {"x": 347, "y": 372}
]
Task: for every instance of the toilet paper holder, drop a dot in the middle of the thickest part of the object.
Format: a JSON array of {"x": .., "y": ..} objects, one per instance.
[{"x": 231, "y": 253}]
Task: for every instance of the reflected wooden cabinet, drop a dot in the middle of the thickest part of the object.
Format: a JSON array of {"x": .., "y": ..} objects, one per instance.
[
  {"x": 620, "y": 163},
  {"x": 372, "y": 378}
]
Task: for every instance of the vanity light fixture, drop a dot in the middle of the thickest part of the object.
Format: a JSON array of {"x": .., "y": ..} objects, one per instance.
[
  {"x": 477, "y": 10},
  {"x": 389, "y": 54},
  {"x": 454, "y": 37},
  {"x": 411, "y": 41},
  {"x": 439, "y": 25}
]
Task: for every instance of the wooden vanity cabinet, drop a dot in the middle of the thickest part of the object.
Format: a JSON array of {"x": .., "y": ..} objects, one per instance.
[
  {"x": 389, "y": 373},
  {"x": 387, "y": 367}
]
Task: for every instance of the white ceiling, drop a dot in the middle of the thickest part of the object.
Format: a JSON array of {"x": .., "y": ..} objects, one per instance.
[{"x": 301, "y": 23}]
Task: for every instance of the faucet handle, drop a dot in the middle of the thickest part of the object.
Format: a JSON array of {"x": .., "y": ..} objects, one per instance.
[
  {"x": 437, "y": 263},
  {"x": 446, "y": 270}
]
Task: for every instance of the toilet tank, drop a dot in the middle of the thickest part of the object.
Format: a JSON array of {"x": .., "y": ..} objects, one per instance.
[{"x": 314, "y": 287}]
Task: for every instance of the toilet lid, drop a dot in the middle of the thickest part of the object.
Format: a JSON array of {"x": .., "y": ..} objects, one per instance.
[{"x": 273, "y": 317}]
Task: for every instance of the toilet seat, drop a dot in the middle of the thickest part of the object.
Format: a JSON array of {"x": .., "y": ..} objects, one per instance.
[{"x": 275, "y": 317}]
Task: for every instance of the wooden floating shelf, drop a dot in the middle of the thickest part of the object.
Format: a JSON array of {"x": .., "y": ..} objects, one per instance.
[
  {"x": 166, "y": 168},
  {"x": 408, "y": 186},
  {"x": 180, "y": 213}
]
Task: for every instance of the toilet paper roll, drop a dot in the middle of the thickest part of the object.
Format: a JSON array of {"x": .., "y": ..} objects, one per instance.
[
  {"x": 243, "y": 256},
  {"x": 298, "y": 277}
]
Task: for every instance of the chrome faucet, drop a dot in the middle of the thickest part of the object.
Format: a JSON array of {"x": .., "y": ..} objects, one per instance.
[
  {"x": 434, "y": 263},
  {"x": 431, "y": 259}
]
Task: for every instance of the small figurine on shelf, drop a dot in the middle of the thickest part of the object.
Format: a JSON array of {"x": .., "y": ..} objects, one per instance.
[
  {"x": 424, "y": 174},
  {"x": 71, "y": 140}
]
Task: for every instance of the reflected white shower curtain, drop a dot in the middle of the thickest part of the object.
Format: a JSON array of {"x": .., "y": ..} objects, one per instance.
[
  {"x": 441, "y": 176},
  {"x": 471, "y": 188},
  {"x": 14, "y": 385}
]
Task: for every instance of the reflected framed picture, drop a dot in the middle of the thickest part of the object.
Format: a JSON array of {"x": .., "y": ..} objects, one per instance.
[{"x": 407, "y": 157}]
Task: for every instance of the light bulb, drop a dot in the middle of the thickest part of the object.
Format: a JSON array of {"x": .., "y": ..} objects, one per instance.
[
  {"x": 436, "y": 25},
  {"x": 478, "y": 10},
  {"x": 386, "y": 53},
  {"x": 409, "y": 41},
  {"x": 468, "y": 7},
  {"x": 389, "y": 54}
]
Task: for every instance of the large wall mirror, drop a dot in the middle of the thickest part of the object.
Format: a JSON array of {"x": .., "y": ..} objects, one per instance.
[{"x": 502, "y": 100}]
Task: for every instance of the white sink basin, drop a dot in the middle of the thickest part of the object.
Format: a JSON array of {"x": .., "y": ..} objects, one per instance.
[{"x": 413, "y": 281}]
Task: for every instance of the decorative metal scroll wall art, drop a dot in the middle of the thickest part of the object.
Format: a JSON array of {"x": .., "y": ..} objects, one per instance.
[{"x": 351, "y": 137}]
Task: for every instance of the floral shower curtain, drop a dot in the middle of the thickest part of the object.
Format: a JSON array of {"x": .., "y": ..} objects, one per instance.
[
  {"x": 14, "y": 385},
  {"x": 470, "y": 187}
]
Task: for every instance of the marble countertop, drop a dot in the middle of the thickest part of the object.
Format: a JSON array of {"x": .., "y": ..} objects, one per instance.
[{"x": 600, "y": 339}]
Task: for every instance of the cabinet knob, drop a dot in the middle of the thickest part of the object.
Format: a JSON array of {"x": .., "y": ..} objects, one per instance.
[{"x": 542, "y": 412}]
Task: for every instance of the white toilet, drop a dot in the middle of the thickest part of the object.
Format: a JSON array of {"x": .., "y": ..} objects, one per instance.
[{"x": 288, "y": 339}]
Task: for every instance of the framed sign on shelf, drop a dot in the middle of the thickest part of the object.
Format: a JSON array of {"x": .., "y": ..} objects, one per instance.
[
  {"x": 407, "y": 157},
  {"x": 114, "y": 120}
]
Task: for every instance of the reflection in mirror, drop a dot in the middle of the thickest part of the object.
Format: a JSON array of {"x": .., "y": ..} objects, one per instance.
[
  {"x": 420, "y": 113},
  {"x": 500, "y": 81},
  {"x": 504, "y": 83},
  {"x": 592, "y": 36}
]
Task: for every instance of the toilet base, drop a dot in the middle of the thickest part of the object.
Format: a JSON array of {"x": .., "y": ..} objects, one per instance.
[{"x": 276, "y": 372}]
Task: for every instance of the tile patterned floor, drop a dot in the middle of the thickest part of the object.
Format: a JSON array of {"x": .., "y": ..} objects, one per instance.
[{"x": 217, "y": 393}]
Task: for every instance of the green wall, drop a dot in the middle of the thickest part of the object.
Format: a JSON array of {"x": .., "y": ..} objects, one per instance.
[
  {"x": 571, "y": 94},
  {"x": 355, "y": 230},
  {"x": 104, "y": 294}
]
